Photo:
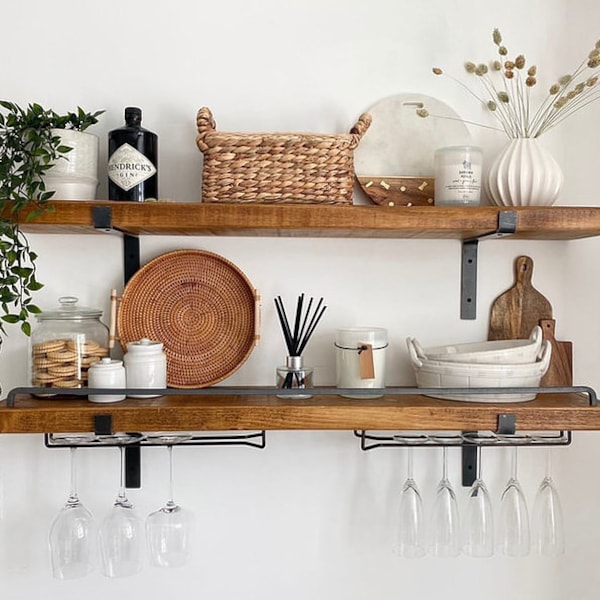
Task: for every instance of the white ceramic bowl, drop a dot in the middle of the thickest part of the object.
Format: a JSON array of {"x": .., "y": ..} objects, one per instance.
[
  {"x": 444, "y": 374},
  {"x": 492, "y": 352}
]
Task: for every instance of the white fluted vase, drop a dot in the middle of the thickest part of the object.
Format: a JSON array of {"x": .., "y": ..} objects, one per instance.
[{"x": 524, "y": 174}]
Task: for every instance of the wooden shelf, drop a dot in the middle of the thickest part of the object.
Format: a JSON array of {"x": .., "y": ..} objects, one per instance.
[
  {"x": 243, "y": 411},
  {"x": 194, "y": 218}
]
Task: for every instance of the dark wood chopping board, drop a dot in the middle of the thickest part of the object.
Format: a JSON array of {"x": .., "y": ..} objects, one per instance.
[
  {"x": 518, "y": 310},
  {"x": 560, "y": 370}
]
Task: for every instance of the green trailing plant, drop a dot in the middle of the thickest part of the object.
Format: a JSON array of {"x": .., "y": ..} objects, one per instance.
[{"x": 28, "y": 149}]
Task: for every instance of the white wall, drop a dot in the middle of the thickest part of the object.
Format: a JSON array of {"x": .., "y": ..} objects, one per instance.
[{"x": 311, "y": 516}]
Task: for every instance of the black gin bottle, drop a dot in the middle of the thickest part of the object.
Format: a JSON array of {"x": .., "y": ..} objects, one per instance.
[{"x": 132, "y": 162}]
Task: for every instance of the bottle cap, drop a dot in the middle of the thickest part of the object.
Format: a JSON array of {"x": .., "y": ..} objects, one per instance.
[{"x": 133, "y": 114}]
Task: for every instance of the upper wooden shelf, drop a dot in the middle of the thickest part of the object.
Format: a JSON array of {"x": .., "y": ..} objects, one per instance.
[
  {"x": 195, "y": 218},
  {"x": 243, "y": 411}
]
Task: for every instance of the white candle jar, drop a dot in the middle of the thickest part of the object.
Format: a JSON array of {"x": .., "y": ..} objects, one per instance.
[
  {"x": 360, "y": 359},
  {"x": 104, "y": 374},
  {"x": 458, "y": 176},
  {"x": 145, "y": 366}
]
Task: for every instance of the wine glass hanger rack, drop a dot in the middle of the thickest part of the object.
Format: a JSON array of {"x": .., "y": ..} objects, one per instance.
[{"x": 505, "y": 434}]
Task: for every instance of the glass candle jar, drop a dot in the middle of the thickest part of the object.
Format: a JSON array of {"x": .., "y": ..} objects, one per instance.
[
  {"x": 145, "y": 366},
  {"x": 458, "y": 176},
  {"x": 360, "y": 359},
  {"x": 65, "y": 342}
]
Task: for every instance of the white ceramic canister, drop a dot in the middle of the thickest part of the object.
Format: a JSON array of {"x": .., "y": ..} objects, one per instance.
[
  {"x": 360, "y": 359},
  {"x": 106, "y": 373},
  {"x": 145, "y": 366}
]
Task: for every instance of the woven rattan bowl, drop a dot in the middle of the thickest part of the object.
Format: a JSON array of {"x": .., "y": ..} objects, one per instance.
[{"x": 200, "y": 306}]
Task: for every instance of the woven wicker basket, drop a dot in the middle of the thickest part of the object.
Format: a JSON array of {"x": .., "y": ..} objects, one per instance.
[
  {"x": 290, "y": 168},
  {"x": 203, "y": 309}
]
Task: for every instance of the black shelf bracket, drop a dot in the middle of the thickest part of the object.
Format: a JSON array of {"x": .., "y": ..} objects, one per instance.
[
  {"x": 507, "y": 225},
  {"x": 102, "y": 220}
]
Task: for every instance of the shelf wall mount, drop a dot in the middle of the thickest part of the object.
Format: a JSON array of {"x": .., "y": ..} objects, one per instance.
[
  {"x": 507, "y": 225},
  {"x": 102, "y": 220}
]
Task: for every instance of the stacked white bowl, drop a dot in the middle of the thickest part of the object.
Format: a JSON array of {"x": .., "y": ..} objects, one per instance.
[{"x": 491, "y": 364}]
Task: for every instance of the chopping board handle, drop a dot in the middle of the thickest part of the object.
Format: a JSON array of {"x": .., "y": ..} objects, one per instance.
[{"x": 523, "y": 270}]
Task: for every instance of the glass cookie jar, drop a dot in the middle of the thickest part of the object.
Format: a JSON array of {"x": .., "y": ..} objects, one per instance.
[{"x": 65, "y": 342}]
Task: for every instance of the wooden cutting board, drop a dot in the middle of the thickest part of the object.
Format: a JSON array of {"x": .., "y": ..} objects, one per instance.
[
  {"x": 394, "y": 162},
  {"x": 560, "y": 371},
  {"x": 518, "y": 310}
]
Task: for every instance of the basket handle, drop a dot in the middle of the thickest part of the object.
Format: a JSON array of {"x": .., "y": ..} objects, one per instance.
[
  {"x": 205, "y": 124},
  {"x": 359, "y": 129}
]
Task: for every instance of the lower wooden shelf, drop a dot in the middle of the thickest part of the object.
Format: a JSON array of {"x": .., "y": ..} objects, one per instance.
[{"x": 235, "y": 409}]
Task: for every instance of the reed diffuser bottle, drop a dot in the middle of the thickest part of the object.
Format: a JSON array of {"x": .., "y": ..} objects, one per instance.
[{"x": 294, "y": 375}]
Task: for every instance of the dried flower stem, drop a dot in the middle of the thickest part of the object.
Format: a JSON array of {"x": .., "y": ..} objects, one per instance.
[{"x": 508, "y": 88}]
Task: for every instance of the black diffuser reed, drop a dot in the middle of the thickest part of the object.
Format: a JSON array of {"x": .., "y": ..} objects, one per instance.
[{"x": 305, "y": 322}]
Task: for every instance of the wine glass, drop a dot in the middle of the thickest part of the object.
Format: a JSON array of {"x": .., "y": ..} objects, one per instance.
[
  {"x": 445, "y": 535},
  {"x": 410, "y": 541},
  {"x": 71, "y": 535},
  {"x": 547, "y": 523},
  {"x": 478, "y": 524},
  {"x": 169, "y": 528},
  {"x": 121, "y": 534},
  {"x": 514, "y": 516}
]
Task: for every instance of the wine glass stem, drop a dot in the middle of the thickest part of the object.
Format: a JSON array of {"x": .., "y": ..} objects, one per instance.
[
  {"x": 548, "y": 462},
  {"x": 444, "y": 463},
  {"x": 478, "y": 469},
  {"x": 170, "y": 450},
  {"x": 514, "y": 463},
  {"x": 409, "y": 463},
  {"x": 73, "y": 484},
  {"x": 122, "y": 473}
]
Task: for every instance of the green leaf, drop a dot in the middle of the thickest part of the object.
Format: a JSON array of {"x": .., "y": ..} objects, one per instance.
[{"x": 10, "y": 318}]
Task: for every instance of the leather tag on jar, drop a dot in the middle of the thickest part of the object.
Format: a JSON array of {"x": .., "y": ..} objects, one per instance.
[{"x": 365, "y": 361}]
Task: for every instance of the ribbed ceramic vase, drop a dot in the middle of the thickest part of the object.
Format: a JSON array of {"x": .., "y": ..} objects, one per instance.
[{"x": 524, "y": 174}]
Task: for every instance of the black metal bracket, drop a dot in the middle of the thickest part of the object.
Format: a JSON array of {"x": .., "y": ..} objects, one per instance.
[
  {"x": 507, "y": 427},
  {"x": 102, "y": 220},
  {"x": 507, "y": 225}
]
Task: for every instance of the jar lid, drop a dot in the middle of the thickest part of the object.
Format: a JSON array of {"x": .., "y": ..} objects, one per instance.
[
  {"x": 68, "y": 309},
  {"x": 144, "y": 345},
  {"x": 106, "y": 363},
  {"x": 350, "y": 337}
]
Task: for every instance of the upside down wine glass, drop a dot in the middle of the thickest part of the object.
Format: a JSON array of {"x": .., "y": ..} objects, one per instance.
[
  {"x": 168, "y": 529},
  {"x": 121, "y": 534},
  {"x": 410, "y": 541},
  {"x": 478, "y": 523},
  {"x": 547, "y": 525},
  {"x": 514, "y": 516},
  {"x": 445, "y": 535},
  {"x": 71, "y": 535}
]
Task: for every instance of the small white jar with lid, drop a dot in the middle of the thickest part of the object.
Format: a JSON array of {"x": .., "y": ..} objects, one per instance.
[
  {"x": 145, "y": 366},
  {"x": 106, "y": 373}
]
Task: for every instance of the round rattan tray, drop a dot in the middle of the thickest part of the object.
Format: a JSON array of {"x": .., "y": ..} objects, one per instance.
[{"x": 200, "y": 306}]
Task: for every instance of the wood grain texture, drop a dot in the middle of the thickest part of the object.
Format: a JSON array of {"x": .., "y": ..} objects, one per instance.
[
  {"x": 399, "y": 191},
  {"x": 228, "y": 412},
  {"x": 517, "y": 311},
  {"x": 560, "y": 370},
  {"x": 425, "y": 222}
]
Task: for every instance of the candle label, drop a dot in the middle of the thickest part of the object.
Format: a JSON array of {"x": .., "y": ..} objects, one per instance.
[
  {"x": 365, "y": 361},
  {"x": 458, "y": 175}
]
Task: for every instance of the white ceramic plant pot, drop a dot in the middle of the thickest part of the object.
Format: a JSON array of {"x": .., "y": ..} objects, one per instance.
[
  {"x": 74, "y": 176},
  {"x": 524, "y": 174}
]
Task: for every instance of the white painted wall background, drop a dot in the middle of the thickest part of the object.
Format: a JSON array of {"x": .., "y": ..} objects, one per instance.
[{"x": 311, "y": 516}]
